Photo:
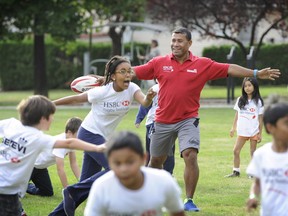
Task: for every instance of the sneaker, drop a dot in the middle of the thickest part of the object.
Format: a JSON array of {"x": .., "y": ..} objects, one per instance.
[
  {"x": 68, "y": 203},
  {"x": 234, "y": 174},
  {"x": 32, "y": 189},
  {"x": 250, "y": 177},
  {"x": 190, "y": 206}
]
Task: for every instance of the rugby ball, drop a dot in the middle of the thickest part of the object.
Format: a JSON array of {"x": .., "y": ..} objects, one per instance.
[{"x": 84, "y": 83}]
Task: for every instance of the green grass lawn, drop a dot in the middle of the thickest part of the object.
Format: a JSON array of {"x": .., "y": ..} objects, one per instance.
[
  {"x": 215, "y": 195},
  {"x": 12, "y": 98}
]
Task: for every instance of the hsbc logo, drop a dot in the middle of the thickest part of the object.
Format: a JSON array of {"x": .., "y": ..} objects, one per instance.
[
  {"x": 126, "y": 103},
  {"x": 116, "y": 104},
  {"x": 167, "y": 68}
]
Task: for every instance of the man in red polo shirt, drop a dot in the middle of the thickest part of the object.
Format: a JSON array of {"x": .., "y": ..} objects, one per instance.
[{"x": 181, "y": 78}]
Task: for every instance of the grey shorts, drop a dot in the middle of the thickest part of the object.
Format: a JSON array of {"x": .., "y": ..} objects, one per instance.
[{"x": 165, "y": 135}]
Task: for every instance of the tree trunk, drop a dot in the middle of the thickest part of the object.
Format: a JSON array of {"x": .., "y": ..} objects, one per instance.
[
  {"x": 116, "y": 41},
  {"x": 40, "y": 79}
]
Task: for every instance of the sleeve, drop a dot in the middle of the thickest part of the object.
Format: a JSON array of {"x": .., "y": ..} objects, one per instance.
[
  {"x": 2, "y": 126},
  {"x": 96, "y": 93},
  {"x": 48, "y": 141},
  {"x": 215, "y": 70},
  {"x": 60, "y": 152},
  {"x": 173, "y": 202},
  {"x": 145, "y": 71},
  {"x": 236, "y": 107},
  {"x": 254, "y": 166},
  {"x": 95, "y": 196},
  {"x": 142, "y": 112},
  {"x": 260, "y": 108}
]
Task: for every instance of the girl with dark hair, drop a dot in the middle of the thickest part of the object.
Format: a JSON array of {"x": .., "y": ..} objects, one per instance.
[
  {"x": 109, "y": 104},
  {"x": 248, "y": 121}
]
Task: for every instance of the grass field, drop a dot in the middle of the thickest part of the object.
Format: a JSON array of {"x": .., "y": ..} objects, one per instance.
[
  {"x": 12, "y": 98},
  {"x": 215, "y": 195}
]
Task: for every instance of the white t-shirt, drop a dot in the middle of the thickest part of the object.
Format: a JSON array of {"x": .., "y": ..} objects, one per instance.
[
  {"x": 109, "y": 197},
  {"x": 272, "y": 170},
  {"x": 151, "y": 113},
  {"x": 248, "y": 121},
  {"x": 19, "y": 149},
  {"x": 48, "y": 158},
  {"x": 108, "y": 108}
]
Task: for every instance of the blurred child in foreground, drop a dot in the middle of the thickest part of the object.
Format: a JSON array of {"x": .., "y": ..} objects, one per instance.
[
  {"x": 143, "y": 190},
  {"x": 269, "y": 165}
]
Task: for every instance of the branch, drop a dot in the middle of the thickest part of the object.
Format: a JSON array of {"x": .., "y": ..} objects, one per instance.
[{"x": 267, "y": 31}]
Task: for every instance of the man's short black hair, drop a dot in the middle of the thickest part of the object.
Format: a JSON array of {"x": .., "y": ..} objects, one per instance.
[{"x": 185, "y": 31}]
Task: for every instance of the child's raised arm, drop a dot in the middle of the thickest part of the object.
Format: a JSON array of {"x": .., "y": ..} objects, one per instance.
[{"x": 74, "y": 143}]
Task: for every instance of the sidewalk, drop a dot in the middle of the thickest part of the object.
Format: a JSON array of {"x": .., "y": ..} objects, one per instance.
[{"x": 216, "y": 103}]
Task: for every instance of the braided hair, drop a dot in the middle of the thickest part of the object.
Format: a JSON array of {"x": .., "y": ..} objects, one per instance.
[
  {"x": 112, "y": 65},
  {"x": 243, "y": 100}
]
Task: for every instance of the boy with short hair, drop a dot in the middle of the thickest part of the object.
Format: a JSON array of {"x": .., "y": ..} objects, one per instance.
[
  {"x": 143, "y": 190},
  {"x": 40, "y": 176},
  {"x": 269, "y": 165},
  {"x": 22, "y": 142}
]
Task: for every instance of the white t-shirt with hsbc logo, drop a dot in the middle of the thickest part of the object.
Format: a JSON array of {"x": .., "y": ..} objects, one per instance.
[
  {"x": 248, "y": 121},
  {"x": 271, "y": 168},
  {"x": 108, "y": 107},
  {"x": 19, "y": 149}
]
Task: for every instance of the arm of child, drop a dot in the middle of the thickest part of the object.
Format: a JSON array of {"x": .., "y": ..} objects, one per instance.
[
  {"x": 74, "y": 143},
  {"x": 144, "y": 100},
  {"x": 61, "y": 171},
  {"x": 72, "y": 99},
  {"x": 252, "y": 202},
  {"x": 74, "y": 165},
  {"x": 260, "y": 118},
  {"x": 142, "y": 112},
  {"x": 234, "y": 126}
]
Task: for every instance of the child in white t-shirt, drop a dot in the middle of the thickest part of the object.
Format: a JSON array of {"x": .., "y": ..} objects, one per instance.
[
  {"x": 109, "y": 104},
  {"x": 149, "y": 113},
  {"x": 248, "y": 121},
  {"x": 269, "y": 165},
  {"x": 40, "y": 176},
  {"x": 130, "y": 188},
  {"x": 22, "y": 142}
]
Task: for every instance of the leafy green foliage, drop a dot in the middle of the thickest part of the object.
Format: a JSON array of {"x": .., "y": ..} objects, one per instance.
[
  {"x": 64, "y": 63},
  {"x": 274, "y": 56}
]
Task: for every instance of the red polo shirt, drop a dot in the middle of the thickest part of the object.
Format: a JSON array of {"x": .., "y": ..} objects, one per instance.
[{"x": 180, "y": 84}]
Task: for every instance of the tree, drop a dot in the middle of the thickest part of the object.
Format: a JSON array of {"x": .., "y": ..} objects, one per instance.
[
  {"x": 224, "y": 18},
  {"x": 62, "y": 19},
  {"x": 115, "y": 11}
]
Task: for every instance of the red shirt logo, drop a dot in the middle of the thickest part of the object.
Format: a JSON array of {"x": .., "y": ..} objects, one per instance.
[{"x": 252, "y": 110}]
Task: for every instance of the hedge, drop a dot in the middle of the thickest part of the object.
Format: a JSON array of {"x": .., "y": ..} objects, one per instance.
[
  {"x": 64, "y": 65},
  {"x": 274, "y": 56}
]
